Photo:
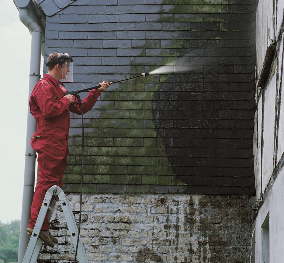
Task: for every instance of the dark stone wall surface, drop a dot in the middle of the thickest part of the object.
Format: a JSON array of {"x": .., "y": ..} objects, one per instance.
[{"x": 181, "y": 132}]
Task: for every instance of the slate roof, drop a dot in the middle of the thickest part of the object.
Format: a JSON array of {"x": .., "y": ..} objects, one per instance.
[{"x": 51, "y": 7}]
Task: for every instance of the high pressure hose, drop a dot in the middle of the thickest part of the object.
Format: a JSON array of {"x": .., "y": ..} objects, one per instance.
[
  {"x": 82, "y": 173},
  {"x": 76, "y": 94}
]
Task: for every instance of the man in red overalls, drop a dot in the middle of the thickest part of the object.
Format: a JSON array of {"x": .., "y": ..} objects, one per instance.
[{"x": 50, "y": 107}]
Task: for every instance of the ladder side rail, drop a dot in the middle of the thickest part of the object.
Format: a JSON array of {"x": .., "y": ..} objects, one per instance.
[
  {"x": 81, "y": 255},
  {"x": 36, "y": 250},
  {"x": 33, "y": 246}
]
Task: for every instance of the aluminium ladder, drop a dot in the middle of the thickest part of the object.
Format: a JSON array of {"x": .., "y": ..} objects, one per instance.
[{"x": 35, "y": 242}]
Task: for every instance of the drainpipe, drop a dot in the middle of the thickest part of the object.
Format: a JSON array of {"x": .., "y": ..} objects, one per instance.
[{"x": 25, "y": 13}]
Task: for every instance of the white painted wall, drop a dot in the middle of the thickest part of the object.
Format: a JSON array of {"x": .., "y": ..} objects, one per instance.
[
  {"x": 264, "y": 32},
  {"x": 268, "y": 131},
  {"x": 257, "y": 155},
  {"x": 281, "y": 120},
  {"x": 269, "y": 135}
]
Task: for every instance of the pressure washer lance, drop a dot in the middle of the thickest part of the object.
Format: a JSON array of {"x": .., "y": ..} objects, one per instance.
[{"x": 76, "y": 92}]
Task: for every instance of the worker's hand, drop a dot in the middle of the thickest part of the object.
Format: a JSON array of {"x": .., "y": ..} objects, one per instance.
[
  {"x": 69, "y": 97},
  {"x": 104, "y": 85}
]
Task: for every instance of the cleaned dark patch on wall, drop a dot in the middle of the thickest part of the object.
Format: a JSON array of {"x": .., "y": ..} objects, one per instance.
[{"x": 205, "y": 116}]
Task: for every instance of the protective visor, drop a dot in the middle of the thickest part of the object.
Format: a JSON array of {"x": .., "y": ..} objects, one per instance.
[{"x": 67, "y": 72}]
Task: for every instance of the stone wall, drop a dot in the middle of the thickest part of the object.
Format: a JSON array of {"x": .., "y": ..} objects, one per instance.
[{"x": 156, "y": 228}]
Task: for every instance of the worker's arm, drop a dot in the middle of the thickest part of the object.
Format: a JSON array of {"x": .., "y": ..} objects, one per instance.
[
  {"x": 49, "y": 104},
  {"x": 90, "y": 100}
]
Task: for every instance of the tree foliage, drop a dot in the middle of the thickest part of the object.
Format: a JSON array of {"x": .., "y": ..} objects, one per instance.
[{"x": 9, "y": 241}]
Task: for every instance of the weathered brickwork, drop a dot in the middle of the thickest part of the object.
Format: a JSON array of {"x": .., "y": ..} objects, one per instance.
[
  {"x": 156, "y": 228},
  {"x": 176, "y": 133}
]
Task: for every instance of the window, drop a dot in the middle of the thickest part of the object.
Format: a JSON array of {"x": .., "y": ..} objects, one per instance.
[{"x": 265, "y": 240}]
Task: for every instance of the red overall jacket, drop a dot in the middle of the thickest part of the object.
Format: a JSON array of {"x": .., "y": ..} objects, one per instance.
[{"x": 51, "y": 110}]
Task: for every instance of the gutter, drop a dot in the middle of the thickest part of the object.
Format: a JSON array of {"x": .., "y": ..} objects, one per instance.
[{"x": 28, "y": 16}]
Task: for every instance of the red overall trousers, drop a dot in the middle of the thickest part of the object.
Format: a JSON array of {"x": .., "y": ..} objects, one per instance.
[{"x": 51, "y": 110}]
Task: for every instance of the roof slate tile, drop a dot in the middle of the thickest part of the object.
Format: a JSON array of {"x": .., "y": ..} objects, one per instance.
[
  {"x": 51, "y": 7},
  {"x": 62, "y": 3}
]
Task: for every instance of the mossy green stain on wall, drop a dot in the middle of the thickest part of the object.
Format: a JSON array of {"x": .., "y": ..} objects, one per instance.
[{"x": 128, "y": 147}]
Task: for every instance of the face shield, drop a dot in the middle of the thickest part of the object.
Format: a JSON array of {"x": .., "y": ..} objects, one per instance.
[
  {"x": 67, "y": 72},
  {"x": 66, "y": 63}
]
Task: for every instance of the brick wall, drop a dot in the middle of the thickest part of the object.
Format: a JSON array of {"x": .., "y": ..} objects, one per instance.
[
  {"x": 156, "y": 228},
  {"x": 175, "y": 133}
]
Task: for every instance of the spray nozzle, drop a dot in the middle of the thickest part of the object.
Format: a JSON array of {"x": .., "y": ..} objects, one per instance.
[{"x": 145, "y": 74}]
